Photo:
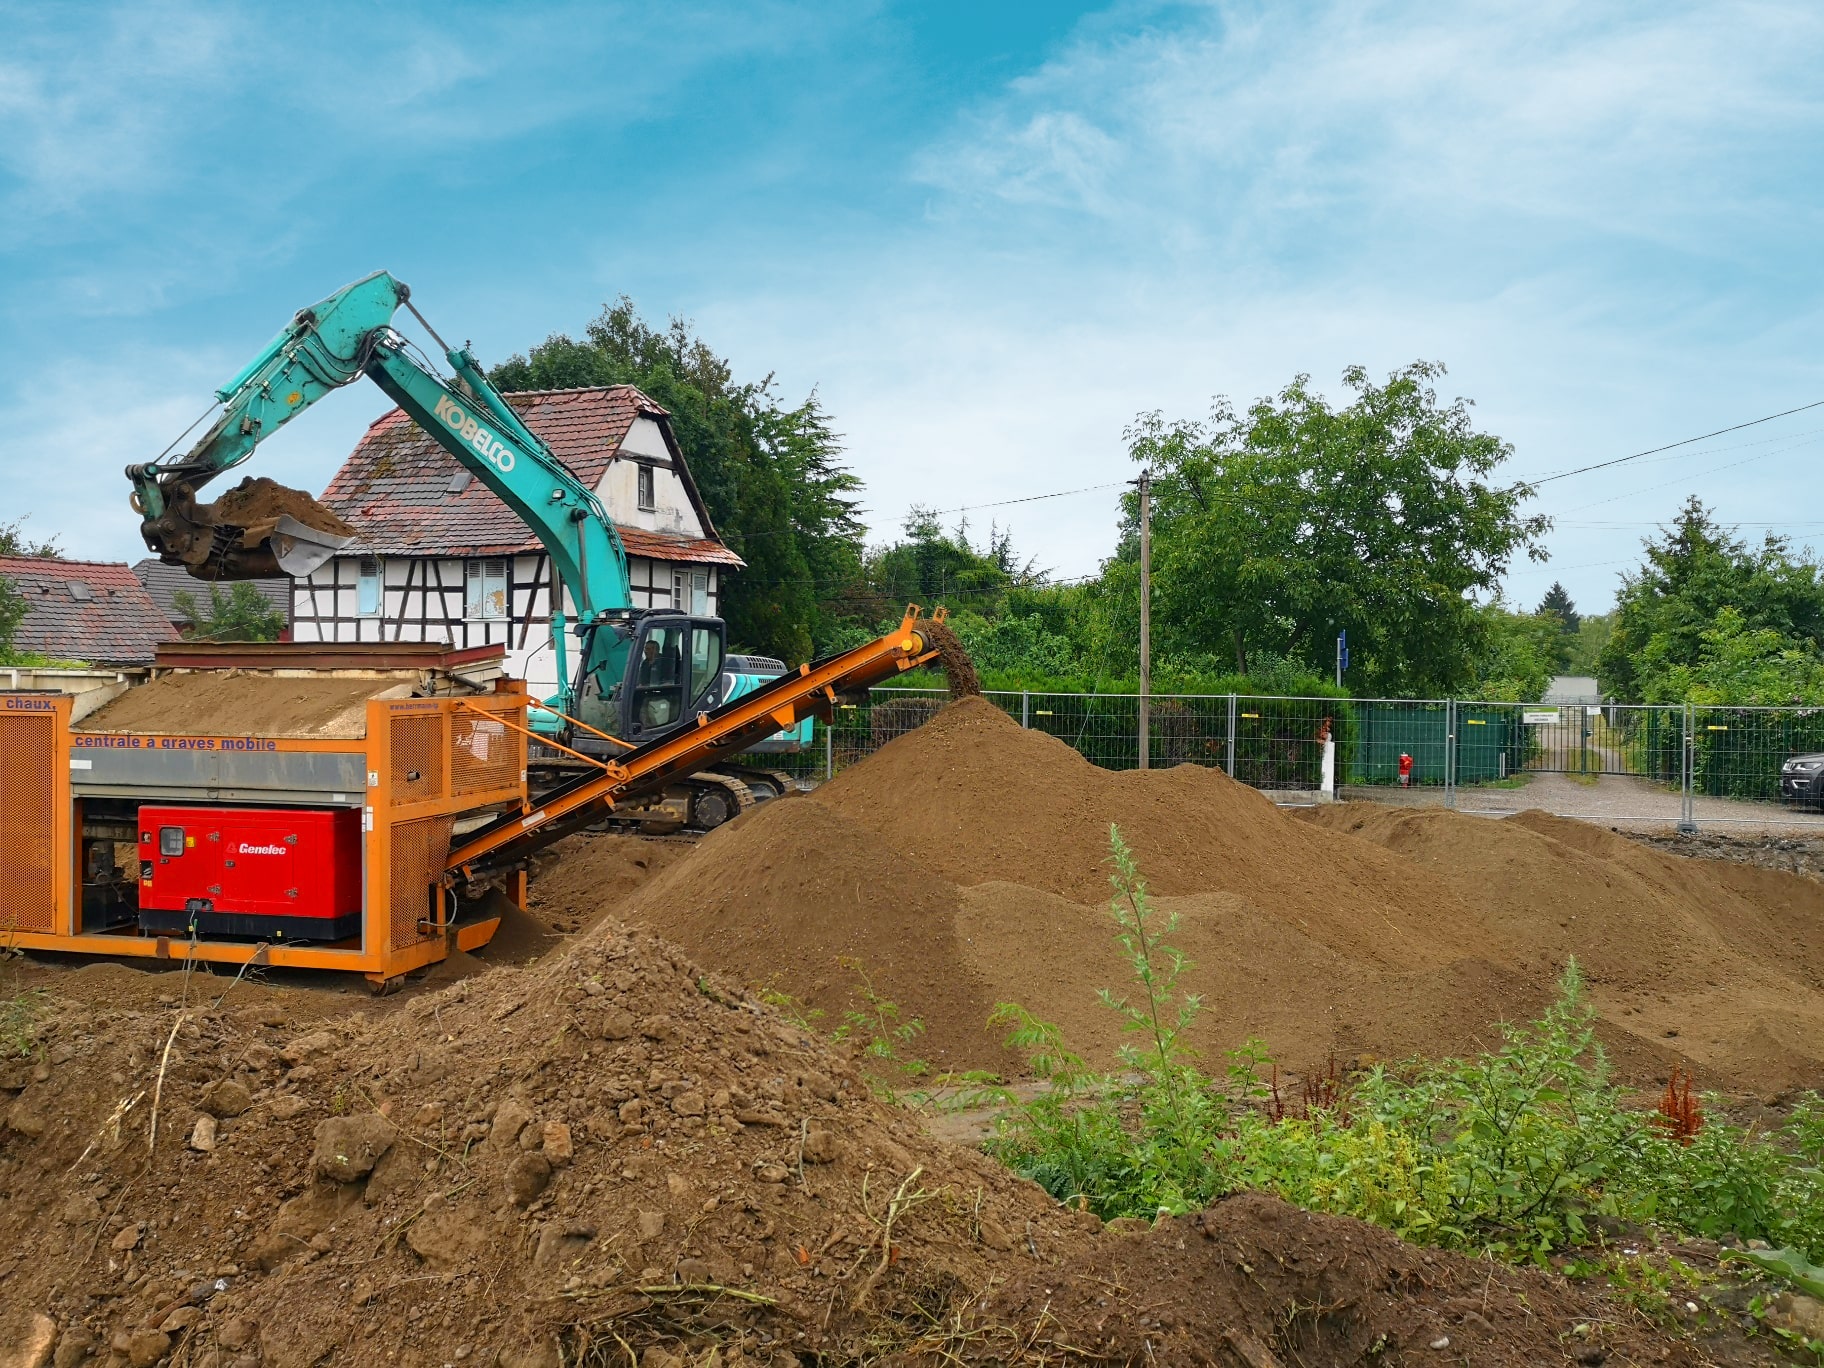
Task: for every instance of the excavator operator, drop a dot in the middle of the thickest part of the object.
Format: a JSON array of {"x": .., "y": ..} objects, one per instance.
[{"x": 661, "y": 674}]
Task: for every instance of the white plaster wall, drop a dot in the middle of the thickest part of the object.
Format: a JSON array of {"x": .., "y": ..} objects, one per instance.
[{"x": 619, "y": 489}]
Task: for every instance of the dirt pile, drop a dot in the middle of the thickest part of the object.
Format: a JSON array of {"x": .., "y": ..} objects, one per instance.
[
  {"x": 1330, "y": 1292},
  {"x": 966, "y": 863},
  {"x": 232, "y": 703},
  {"x": 257, "y": 502},
  {"x": 783, "y": 897},
  {"x": 495, "y": 1165},
  {"x": 585, "y": 876},
  {"x": 614, "y": 1156},
  {"x": 1719, "y": 960}
]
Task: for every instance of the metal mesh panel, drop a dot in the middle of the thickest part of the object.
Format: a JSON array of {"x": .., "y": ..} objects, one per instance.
[
  {"x": 419, "y": 850},
  {"x": 27, "y": 850},
  {"x": 484, "y": 754},
  {"x": 417, "y": 756}
]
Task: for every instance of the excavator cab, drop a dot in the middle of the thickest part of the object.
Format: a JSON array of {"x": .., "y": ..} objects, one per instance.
[{"x": 672, "y": 672}]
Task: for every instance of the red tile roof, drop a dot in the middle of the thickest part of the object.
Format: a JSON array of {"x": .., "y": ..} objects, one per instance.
[
  {"x": 663, "y": 546},
  {"x": 395, "y": 487},
  {"x": 96, "y": 611}
]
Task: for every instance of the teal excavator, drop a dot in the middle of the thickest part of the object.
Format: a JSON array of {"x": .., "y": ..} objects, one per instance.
[{"x": 640, "y": 674}]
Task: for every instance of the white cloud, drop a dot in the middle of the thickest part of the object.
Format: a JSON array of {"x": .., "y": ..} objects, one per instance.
[
  {"x": 1253, "y": 118},
  {"x": 81, "y": 119}
]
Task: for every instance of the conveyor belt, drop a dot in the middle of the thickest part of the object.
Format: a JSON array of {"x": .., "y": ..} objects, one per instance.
[{"x": 729, "y": 730}]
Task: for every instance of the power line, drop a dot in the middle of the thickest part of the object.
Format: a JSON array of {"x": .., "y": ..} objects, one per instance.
[
  {"x": 1654, "y": 451},
  {"x": 1684, "y": 479},
  {"x": 1031, "y": 498}
]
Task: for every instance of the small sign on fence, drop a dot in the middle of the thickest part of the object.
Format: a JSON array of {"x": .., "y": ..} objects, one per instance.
[{"x": 1539, "y": 717}]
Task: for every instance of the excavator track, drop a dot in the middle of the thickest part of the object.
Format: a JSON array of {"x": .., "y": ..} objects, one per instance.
[
  {"x": 717, "y": 798},
  {"x": 688, "y": 808}
]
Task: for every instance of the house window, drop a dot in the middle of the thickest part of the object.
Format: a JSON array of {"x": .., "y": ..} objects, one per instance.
[
  {"x": 487, "y": 590},
  {"x": 690, "y": 591},
  {"x": 367, "y": 587},
  {"x": 648, "y": 500}
]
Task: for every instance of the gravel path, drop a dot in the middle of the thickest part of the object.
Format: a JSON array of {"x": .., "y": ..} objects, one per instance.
[{"x": 1602, "y": 798}]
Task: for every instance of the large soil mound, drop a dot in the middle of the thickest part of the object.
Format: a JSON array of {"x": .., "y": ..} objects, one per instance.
[
  {"x": 798, "y": 898},
  {"x": 967, "y": 863},
  {"x": 1721, "y": 961}
]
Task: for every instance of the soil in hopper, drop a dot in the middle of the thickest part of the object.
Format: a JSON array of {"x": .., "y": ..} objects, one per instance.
[{"x": 231, "y": 703}]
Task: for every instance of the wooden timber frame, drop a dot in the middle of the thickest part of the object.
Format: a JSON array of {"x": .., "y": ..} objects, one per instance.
[{"x": 423, "y": 763}]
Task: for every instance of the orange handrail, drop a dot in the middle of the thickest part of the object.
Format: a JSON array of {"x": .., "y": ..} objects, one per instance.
[
  {"x": 463, "y": 705},
  {"x": 593, "y": 731}
]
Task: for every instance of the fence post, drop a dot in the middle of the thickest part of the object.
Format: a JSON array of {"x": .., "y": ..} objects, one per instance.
[
  {"x": 1025, "y": 707},
  {"x": 1230, "y": 766},
  {"x": 829, "y": 748},
  {"x": 1687, "y": 809},
  {"x": 1450, "y": 752}
]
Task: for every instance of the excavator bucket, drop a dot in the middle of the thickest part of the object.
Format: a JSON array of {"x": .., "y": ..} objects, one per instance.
[
  {"x": 299, "y": 549},
  {"x": 257, "y": 529}
]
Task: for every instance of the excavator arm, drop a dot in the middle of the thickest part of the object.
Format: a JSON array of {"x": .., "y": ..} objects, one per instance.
[{"x": 332, "y": 344}]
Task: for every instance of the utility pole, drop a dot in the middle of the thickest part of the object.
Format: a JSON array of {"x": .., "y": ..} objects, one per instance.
[{"x": 1145, "y": 482}]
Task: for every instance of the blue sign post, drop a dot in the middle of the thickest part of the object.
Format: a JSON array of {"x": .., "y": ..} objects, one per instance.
[{"x": 1342, "y": 655}]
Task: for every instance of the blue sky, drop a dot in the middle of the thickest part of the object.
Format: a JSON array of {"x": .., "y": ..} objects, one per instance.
[{"x": 989, "y": 234}]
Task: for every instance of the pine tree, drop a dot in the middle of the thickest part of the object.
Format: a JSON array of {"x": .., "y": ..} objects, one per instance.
[{"x": 1558, "y": 603}]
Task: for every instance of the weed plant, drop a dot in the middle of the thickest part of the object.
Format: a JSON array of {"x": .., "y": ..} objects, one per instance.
[{"x": 1516, "y": 1151}]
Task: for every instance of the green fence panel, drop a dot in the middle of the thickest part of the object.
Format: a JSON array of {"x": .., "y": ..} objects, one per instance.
[{"x": 1385, "y": 731}]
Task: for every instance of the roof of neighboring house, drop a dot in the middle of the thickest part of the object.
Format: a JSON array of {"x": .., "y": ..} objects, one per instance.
[
  {"x": 85, "y": 610},
  {"x": 664, "y": 546},
  {"x": 1573, "y": 689},
  {"x": 404, "y": 491},
  {"x": 165, "y": 582}
]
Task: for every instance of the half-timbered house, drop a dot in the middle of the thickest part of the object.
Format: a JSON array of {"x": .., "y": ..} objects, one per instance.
[{"x": 438, "y": 557}]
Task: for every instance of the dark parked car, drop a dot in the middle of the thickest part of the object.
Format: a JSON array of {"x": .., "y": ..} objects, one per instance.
[{"x": 1802, "y": 779}]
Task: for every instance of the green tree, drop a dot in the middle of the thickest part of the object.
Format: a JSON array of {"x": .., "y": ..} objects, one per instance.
[
  {"x": 771, "y": 475},
  {"x": 1558, "y": 604},
  {"x": 1745, "y": 666},
  {"x": 12, "y": 614},
  {"x": 241, "y": 614},
  {"x": 1520, "y": 653},
  {"x": 1670, "y": 605},
  {"x": 1276, "y": 528},
  {"x": 1592, "y": 635},
  {"x": 15, "y": 542},
  {"x": 928, "y": 565}
]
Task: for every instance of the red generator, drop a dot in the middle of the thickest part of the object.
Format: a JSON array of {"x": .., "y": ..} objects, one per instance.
[{"x": 291, "y": 874}]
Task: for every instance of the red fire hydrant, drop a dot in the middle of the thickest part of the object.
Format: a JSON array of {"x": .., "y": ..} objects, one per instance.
[{"x": 1405, "y": 770}]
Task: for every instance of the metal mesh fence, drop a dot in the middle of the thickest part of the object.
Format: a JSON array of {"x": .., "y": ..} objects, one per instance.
[{"x": 1629, "y": 763}]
